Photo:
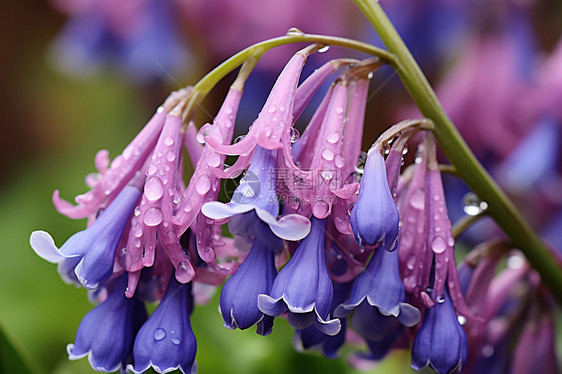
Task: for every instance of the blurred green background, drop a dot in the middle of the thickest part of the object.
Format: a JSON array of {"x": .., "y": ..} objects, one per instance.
[{"x": 51, "y": 128}]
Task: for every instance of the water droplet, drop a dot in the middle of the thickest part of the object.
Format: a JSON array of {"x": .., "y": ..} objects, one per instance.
[
  {"x": 350, "y": 208},
  {"x": 200, "y": 138},
  {"x": 339, "y": 110},
  {"x": 153, "y": 216},
  {"x": 153, "y": 189},
  {"x": 281, "y": 108},
  {"x": 410, "y": 264},
  {"x": 137, "y": 211},
  {"x": 151, "y": 170},
  {"x": 175, "y": 341},
  {"x": 441, "y": 299},
  {"x": 438, "y": 245},
  {"x": 339, "y": 161},
  {"x": 417, "y": 200},
  {"x": 171, "y": 156},
  {"x": 294, "y": 135},
  {"x": 370, "y": 75},
  {"x": 294, "y": 31},
  {"x": 515, "y": 262},
  {"x": 203, "y": 184},
  {"x": 213, "y": 159},
  {"x": 461, "y": 319},
  {"x": 418, "y": 160},
  {"x": 159, "y": 334},
  {"x": 137, "y": 230},
  {"x": 404, "y": 151},
  {"x": 160, "y": 109},
  {"x": 271, "y": 109},
  {"x": 239, "y": 139},
  {"x": 333, "y": 137},
  {"x": 472, "y": 204},
  {"x": 328, "y": 154},
  {"x": 168, "y": 140},
  {"x": 228, "y": 110},
  {"x": 327, "y": 174},
  {"x": 488, "y": 351},
  {"x": 324, "y": 49}
]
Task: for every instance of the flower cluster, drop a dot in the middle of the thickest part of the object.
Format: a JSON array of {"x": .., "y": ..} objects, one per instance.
[{"x": 331, "y": 238}]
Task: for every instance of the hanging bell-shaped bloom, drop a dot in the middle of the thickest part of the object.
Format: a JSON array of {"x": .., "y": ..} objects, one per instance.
[
  {"x": 165, "y": 341},
  {"x": 441, "y": 341},
  {"x": 374, "y": 218},
  {"x": 93, "y": 248},
  {"x": 380, "y": 286},
  {"x": 256, "y": 196},
  {"x": 107, "y": 332},
  {"x": 303, "y": 287},
  {"x": 239, "y": 296}
]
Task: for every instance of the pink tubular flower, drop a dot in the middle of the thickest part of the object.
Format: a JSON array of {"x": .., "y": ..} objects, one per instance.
[
  {"x": 122, "y": 168},
  {"x": 426, "y": 244}
]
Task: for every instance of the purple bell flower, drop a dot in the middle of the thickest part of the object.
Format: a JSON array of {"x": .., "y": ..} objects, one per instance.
[
  {"x": 106, "y": 333},
  {"x": 239, "y": 296},
  {"x": 374, "y": 218},
  {"x": 303, "y": 287},
  {"x": 93, "y": 248},
  {"x": 257, "y": 196},
  {"x": 165, "y": 341},
  {"x": 441, "y": 341},
  {"x": 381, "y": 287}
]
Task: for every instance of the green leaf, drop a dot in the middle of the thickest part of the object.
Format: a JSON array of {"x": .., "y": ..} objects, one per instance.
[{"x": 11, "y": 358}]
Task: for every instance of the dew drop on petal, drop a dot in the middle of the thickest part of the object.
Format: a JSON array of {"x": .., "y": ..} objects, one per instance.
[
  {"x": 410, "y": 264},
  {"x": 339, "y": 161},
  {"x": 441, "y": 299},
  {"x": 228, "y": 110},
  {"x": 462, "y": 320},
  {"x": 339, "y": 110},
  {"x": 137, "y": 230},
  {"x": 417, "y": 200},
  {"x": 137, "y": 211},
  {"x": 153, "y": 216},
  {"x": 328, "y": 154},
  {"x": 151, "y": 169},
  {"x": 203, "y": 184},
  {"x": 153, "y": 189},
  {"x": 159, "y": 334},
  {"x": 168, "y": 140},
  {"x": 323, "y": 49},
  {"x": 171, "y": 156},
  {"x": 239, "y": 139},
  {"x": 213, "y": 159},
  {"x": 271, "y": 109},
  {"x": 175, "y": 341},
  {"x": 294, "y": 135},
  {"x": 333, "y": 137},
  {"x": 438, "y": 245}
]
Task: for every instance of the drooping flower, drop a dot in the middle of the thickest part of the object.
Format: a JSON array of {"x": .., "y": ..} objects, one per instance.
[
  {"x": 303, "y": 287},
  {"x": 254, "y": 206},
  {"x": 107, "y": 332},
  {"x": 93, "y": 248},
  {"x": 441, "y": 341},
  {"x": 380, "y": 286},
  {"x": 239, "y": 296},
  {"x": 374, "y": 218},
  {"x": 122, "y": 168},
  {"x": 165, "y": 342}
]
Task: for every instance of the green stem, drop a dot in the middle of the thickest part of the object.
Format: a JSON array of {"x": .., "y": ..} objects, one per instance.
[
  {"x": 467, "y": 166},
  {"x": 206, "y": 84}
]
